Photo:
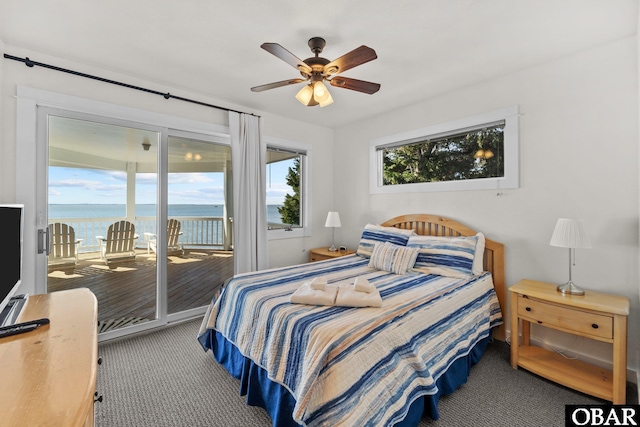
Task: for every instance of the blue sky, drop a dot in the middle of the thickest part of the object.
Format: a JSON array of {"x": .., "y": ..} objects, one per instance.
[{"x": 92, "y": 186}]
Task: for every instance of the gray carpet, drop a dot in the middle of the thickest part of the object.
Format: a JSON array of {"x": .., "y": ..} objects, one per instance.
[{"x": 165, "y": 379}]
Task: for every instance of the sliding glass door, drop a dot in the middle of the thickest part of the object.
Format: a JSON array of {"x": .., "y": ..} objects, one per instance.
[
  {"x": 139, "y": 214},
  {"x": 102, "y": 200},
  {"x": 199, "y": 232}
]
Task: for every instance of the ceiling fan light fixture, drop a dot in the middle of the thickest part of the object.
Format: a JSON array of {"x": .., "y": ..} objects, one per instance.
[
  {"x": 328, "y": 100},
  {"x": 313, "y": 94},
  {"x": 321, "y": 94},
  {"x": 483, "y": 154},
  {"x": 319, "y": 91},
  {"x": 305, "y": 96}
]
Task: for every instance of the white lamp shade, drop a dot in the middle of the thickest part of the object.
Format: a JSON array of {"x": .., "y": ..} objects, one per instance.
[
  {"x": 305, "y": 96},
  {"x": 333, "y": 220},
  {"x": 328, "y": 100},
  {"x": 569, "y": 233},
  {"x": 321, "y": 94},
  {"x": 319, "y": 91}
]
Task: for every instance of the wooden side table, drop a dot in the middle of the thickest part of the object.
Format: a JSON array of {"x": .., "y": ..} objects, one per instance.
[
  {"x": 320, "y": 254},
  {"x": 594, "y": 315}
]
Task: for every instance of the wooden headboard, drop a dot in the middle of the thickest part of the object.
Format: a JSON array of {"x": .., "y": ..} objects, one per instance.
[{"x": 433, "y": 225}]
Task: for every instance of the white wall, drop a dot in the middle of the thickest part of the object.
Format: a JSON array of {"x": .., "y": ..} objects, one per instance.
[
  {"x": 13, "y": 74},
  {"x": 5, "y": 174},
  {"x": 578, "y": 158},
  {"x": 294, "y": 251}
]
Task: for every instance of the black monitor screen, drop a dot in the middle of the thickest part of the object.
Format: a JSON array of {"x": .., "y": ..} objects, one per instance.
[{"x": 11, "y": 259}]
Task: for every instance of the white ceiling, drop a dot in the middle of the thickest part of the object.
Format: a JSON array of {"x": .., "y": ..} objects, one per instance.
[{"x": 212, "y": 47}]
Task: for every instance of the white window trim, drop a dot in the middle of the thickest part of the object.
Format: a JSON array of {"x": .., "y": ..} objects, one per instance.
[
  {"x": 305, "y": 184},
  {"x": 511, "y": 161}
]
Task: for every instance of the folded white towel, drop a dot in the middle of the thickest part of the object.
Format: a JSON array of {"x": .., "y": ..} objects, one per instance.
[
  {"x": 319, "y": 283},
  {"x": 349, "y": 297},
  {"x": 305, "y": 295},
  {"x": 362, "y": 285}
]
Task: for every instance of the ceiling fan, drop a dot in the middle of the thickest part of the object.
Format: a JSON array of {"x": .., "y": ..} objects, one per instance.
[{"x": 316, "y": 70}]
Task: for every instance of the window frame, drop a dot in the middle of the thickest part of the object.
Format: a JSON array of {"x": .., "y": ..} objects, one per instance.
[
  {"x": 305, "y": 188},
  {"x": 511, "y": 157}
]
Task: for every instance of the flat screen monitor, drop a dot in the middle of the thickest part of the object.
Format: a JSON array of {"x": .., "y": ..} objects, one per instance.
[{"x": 11, "y": 221}]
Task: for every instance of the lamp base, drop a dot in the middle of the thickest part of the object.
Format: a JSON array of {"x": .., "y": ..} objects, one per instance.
[
  {"x": 333, "y": 249},
  {"x": 570, "y": 288}
]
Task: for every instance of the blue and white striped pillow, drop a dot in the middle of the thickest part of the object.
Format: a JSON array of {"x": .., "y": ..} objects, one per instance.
[
  {"x": 373, "y": 234},
  {"x": 448, "y": 256},
  {"x": 392, "y": 258}
]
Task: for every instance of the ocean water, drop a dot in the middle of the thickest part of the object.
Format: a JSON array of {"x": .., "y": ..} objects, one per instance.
[
  {"x": 193, "y": 234},
  {"x": 117, "y": 211}
]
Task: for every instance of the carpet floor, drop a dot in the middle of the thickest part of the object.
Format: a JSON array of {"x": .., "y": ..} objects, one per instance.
[{"x": 165, "y": 379}]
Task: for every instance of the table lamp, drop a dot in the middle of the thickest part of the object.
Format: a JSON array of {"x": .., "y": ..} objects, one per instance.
[
  {"x": 569, "y": 233},
  {"x": 333, "y": 221}
]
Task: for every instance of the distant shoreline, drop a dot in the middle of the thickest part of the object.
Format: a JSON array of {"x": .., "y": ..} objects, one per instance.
[{"x": 115, "y": 210}]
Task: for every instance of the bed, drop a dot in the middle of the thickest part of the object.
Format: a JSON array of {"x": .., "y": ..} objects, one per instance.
[{"x": 328, "y": 365}]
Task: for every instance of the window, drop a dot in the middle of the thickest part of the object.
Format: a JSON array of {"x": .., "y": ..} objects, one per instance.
[
  {"x": 479, "y": 152},
  {"x": 287, "y": 184}
]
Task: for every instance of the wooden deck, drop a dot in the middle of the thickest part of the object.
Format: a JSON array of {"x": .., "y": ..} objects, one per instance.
[{"x": 127, "y": 288}]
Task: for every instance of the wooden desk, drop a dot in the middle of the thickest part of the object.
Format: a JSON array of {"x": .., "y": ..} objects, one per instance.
[
  {"x": 594, "y": 315},
  {"x": 48, "y": 375}
]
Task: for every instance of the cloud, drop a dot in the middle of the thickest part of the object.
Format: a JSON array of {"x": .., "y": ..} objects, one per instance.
[
  {"x": 204, "y": 195},
  {"x": 112, "y": 175},
  {"x": 86, "y": 184},
  {"x": 277, "y": 191},
  {"x": 147, "y": 178},
  {"x": 190, "y": 178}
]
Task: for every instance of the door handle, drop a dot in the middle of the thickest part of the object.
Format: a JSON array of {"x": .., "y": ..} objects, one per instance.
[{"x": 44, "y": 246}]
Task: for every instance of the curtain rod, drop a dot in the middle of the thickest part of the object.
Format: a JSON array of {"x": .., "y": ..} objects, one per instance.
[{"x": 30, "y": 63}]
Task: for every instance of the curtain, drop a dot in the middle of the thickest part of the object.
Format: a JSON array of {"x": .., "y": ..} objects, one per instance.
[{"x": 248, "y": 156}]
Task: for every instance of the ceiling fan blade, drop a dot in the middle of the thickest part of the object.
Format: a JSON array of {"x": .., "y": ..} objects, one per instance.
[
  {"x": 349, "y": 60},
  {"x": 355, "y": 84},
  {"x": 276, "y": 84},
  {"x": 286, "y": 56}
]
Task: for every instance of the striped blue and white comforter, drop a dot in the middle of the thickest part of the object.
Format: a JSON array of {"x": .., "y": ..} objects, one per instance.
[{"x": 354, "y": 366}]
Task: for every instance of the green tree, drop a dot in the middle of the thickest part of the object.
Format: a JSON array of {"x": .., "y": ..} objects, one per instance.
[
  {"x": 473, "y": 155},
  {"x": 290, "y": 210}
]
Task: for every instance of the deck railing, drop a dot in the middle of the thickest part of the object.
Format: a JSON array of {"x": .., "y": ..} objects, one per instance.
[{"x": 196, "y": 231}]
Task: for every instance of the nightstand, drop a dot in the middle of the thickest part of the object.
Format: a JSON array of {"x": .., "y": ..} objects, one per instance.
[
  {"x": 320, "y": 254},
  {"x": 594, "y": 315}
]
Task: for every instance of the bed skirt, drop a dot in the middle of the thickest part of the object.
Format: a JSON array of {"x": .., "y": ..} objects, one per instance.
[{"x": 279, "y": 403}]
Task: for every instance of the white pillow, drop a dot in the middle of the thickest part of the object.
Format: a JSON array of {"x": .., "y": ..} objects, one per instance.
[
  {"x": 392, "y": 258},
  {"x": 460, "y": 256},
  {"x": 373, "y": 234}
]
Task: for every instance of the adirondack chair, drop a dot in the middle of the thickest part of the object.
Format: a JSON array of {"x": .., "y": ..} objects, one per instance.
[
  {"x": 173, "y": 234},
  {"x": 120, "y": 241},
  {"x": 63, "y": 244}
]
